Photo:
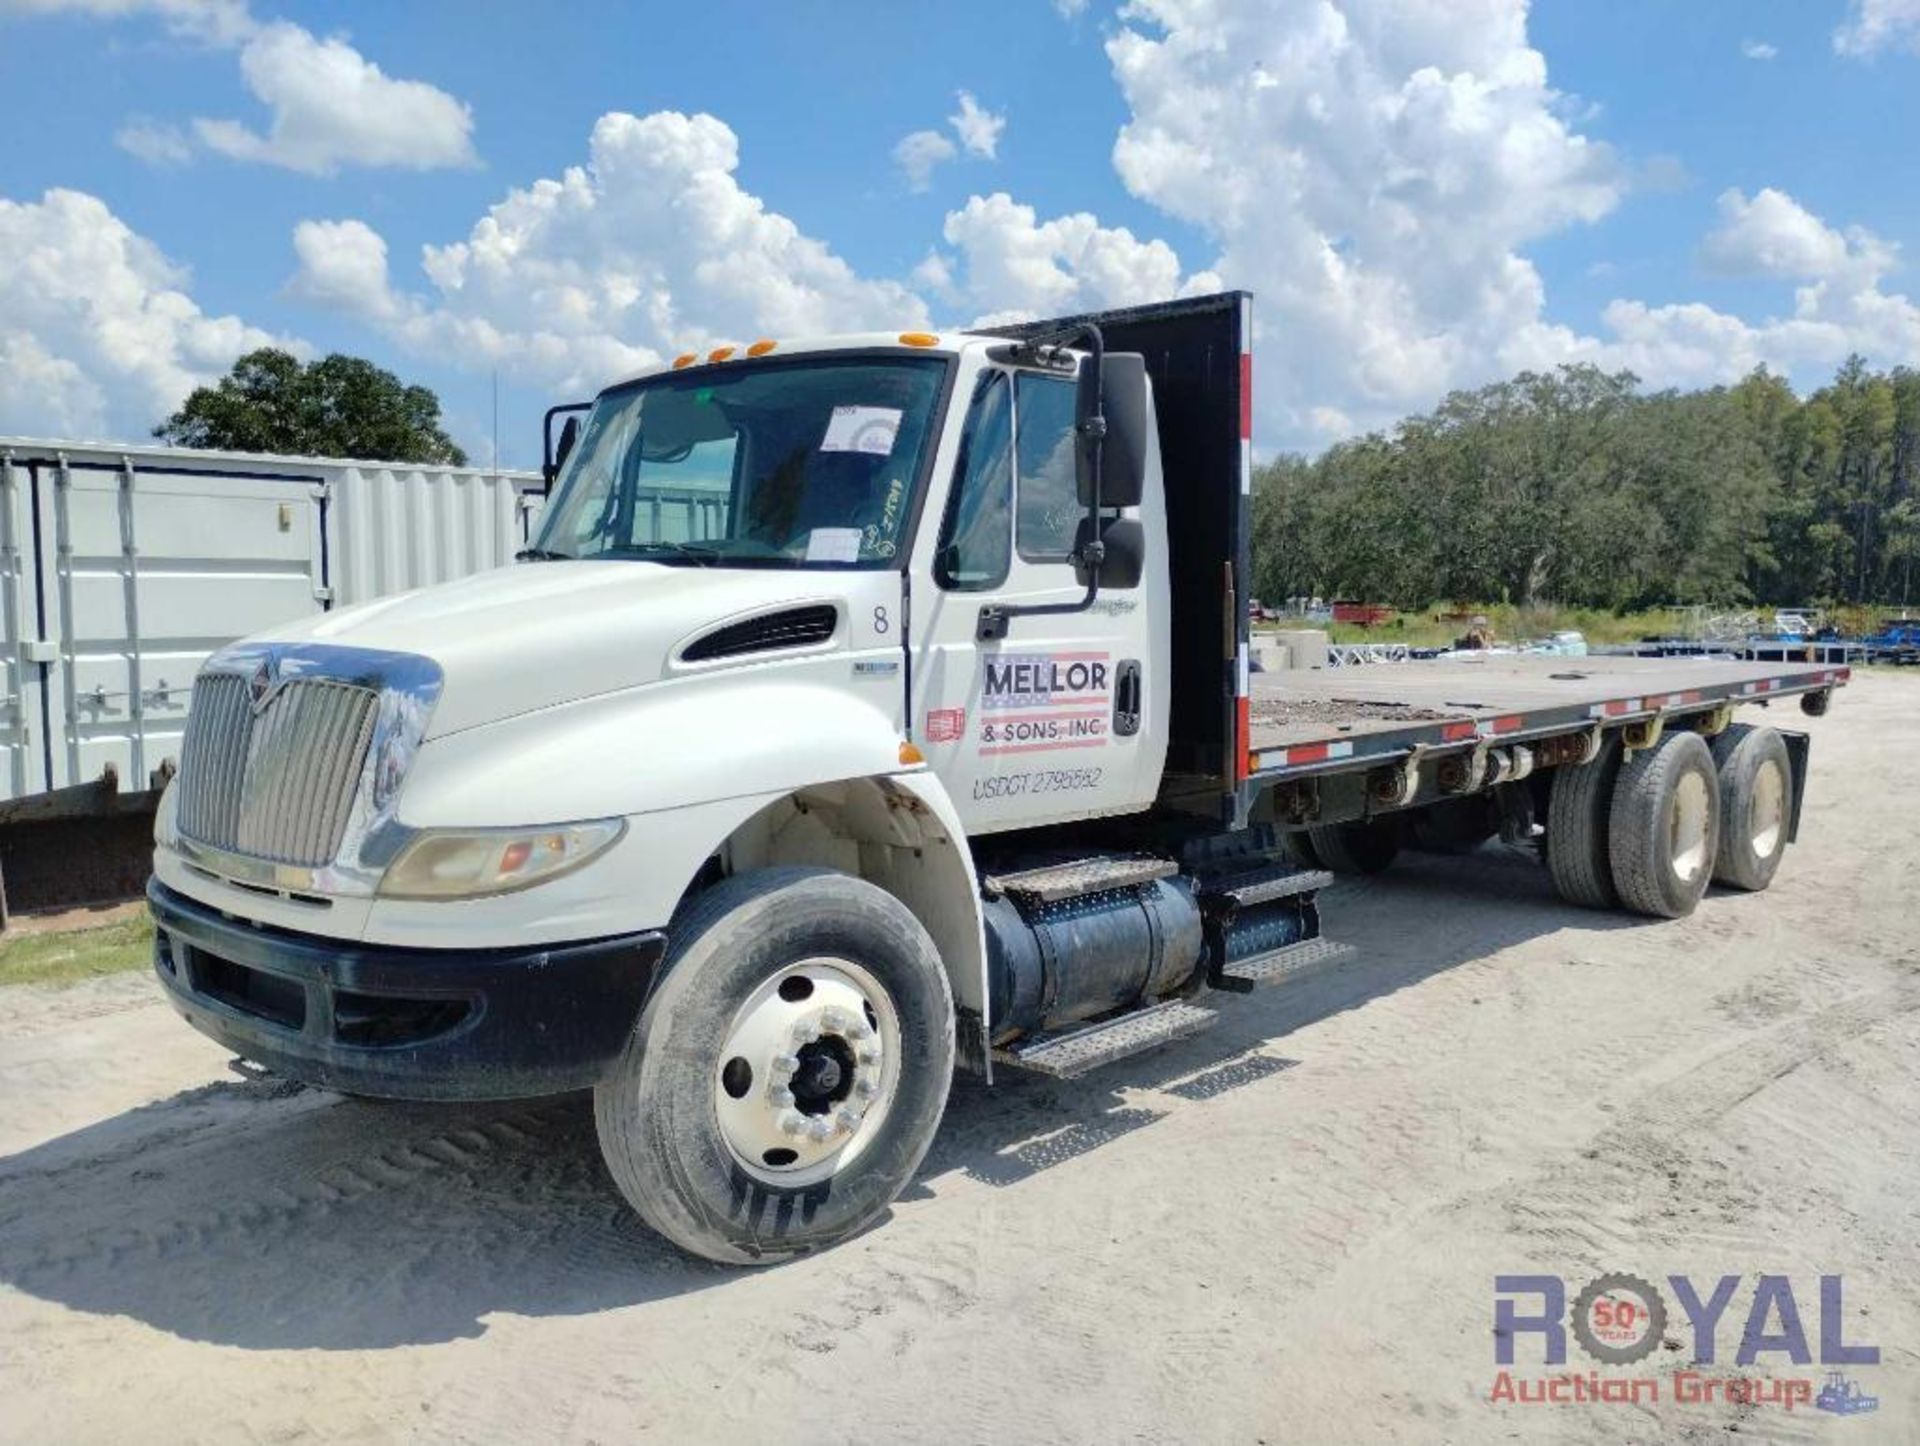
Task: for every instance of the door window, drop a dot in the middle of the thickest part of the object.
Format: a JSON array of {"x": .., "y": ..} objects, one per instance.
[{"x": 976, "y": 543}]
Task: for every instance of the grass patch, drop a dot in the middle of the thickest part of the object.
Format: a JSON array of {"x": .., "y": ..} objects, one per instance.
[{"x": 75, "y": 954}]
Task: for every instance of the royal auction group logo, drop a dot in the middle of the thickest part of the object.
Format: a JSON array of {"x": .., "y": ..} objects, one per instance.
[{"x": 1618, "y": 1319}]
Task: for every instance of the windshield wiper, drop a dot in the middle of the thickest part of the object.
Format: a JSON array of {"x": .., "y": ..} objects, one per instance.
[
  {"x": 541, "y": 554},
  {"x": 706, "y": 556}
]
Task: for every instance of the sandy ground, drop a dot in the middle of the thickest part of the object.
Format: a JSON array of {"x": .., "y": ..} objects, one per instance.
[{"x": 1285, "y": 1229}]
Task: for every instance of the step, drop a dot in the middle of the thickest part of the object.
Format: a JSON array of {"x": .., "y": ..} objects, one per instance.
[
  {"x": 1051, "y": 883},
  {"x": 1263, "y": 887},
  {"x": 1070, "y": 1053},
  {"x": 1284, "y": 965}
]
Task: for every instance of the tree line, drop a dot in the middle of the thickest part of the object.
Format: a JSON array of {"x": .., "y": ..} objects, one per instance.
[{"x": 1577, "y": 487}]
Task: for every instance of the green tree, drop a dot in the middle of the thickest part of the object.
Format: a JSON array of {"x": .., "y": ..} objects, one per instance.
[{"x": 339, "y": 406}]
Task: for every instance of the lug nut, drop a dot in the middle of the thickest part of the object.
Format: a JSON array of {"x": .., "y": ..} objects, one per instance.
[
  {"x": 866, "y": 1089},
  {"x": 785, "y": 1064},
  {"x": 780, "y": 1095}
]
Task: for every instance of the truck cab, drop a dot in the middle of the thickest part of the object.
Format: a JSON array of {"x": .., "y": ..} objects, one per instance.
[{"x": 865, "y": 708}]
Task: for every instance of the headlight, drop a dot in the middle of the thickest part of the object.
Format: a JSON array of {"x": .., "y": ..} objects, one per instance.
[{"x": 467, "y": 864}]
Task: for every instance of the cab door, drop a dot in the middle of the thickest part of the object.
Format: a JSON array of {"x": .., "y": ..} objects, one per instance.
[{"x": 1062, "y": 718}]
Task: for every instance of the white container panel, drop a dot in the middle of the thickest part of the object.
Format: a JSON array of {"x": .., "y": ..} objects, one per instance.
[
  {"x": 401, "y": 528},
  {"x": 146, "y": 575}
]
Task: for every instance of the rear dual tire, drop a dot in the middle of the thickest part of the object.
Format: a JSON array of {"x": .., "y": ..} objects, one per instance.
[
  {"x": 1756, "y": 803},
  {"x": 1365, "y": 847},
  {"x": 1578, "y": 813},
  {"x": 1663, "y": 827}
]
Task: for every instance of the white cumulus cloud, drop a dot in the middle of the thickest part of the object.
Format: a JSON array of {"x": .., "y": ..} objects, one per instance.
[
  {"x": 328, "y": 105},
  {"x": 1759, "y": 49},
  {"x": 651, "y": 246},
  {"x": 1771, "y": 234},
  {"x": 1875, "y": 25},
  {"x": 1372, "y": 170},
  {"x": 1013, "y": 266},
  {"x": 918, "y": 152},
  {"x": 98, "y": 334},
  {"x": 976, "y": 128}
]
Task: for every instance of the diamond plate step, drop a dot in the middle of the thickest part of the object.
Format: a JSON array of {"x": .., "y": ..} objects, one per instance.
[
  {"x": 1054, "y": 882},
  {"x": 1072, "y": 1053},
  {"x": 1281, "y": 966},
  {"x": 1264, "y": 887}
]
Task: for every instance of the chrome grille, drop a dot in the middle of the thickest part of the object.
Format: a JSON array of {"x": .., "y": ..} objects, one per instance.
[{"x": 277, "y": 784}]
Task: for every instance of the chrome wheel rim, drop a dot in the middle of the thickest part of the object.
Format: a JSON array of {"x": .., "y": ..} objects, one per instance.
[
  {"x": 1689, "y": 824},
  {"x": 1767, "y": 817},
  {"x": 808, "y": 1072}
]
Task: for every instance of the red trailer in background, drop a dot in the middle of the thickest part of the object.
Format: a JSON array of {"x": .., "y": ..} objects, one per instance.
[{"x": 1364, "y": 614}]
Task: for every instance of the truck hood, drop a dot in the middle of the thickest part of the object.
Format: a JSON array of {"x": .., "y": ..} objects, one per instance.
[{"x": 521, "y": 638}]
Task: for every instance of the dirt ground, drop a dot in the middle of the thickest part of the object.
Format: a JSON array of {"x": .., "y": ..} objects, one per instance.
[{"x": 1288, "y": 1228}]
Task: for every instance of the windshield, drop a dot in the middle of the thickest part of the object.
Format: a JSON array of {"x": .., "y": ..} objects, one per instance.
[{"x": 778, "y": 464}]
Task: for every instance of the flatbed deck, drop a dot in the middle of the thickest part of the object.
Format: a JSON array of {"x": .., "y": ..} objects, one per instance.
[{"x": 1320, "y": 720}]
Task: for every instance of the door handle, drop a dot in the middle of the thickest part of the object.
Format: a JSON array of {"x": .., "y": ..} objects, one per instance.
[{"x": 1126, "y": 699}]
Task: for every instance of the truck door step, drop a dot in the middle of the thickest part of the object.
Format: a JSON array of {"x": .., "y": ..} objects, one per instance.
[
  {"x": 1069, "y": 1053},
  {"x": 1285, "y": 965},
  {"x": 1263, "y": 886},
  {"x": 1051, "y": 883}
]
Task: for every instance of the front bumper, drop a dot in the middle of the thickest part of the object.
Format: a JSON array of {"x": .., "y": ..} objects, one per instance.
[{"x": 427, "y": 1024}]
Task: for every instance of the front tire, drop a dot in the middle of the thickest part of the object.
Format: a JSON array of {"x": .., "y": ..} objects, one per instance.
[{"x": 787, "y": 1076}]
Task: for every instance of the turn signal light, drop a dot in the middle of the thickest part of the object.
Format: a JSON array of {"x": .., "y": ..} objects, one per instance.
[
  {"x": 685, "y": 359},
  {"x": 910, "y": 753},
  {"x": 762, "y": 347},
  {"x": 719, "y": 353},
  {"x": 918, "y": 338}
]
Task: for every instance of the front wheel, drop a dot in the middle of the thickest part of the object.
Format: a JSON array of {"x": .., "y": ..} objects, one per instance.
[{"x": 787, "y": 1076}]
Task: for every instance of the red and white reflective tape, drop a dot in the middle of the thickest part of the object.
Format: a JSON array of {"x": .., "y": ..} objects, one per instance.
[
  {"x": 1619, "y": 708},
  {"x": 1246, "y": 398},
  {"x": 1493, "y": 727},
  {"x": 1765, "y": 685},
  {"x": 1243, "y": 712},
  {"x": 1671, "y": 700},
  {"x": 1838, "y": 675},
  {"x": 1459, "y": 732},
  {"x": 1304, "y": 753}
]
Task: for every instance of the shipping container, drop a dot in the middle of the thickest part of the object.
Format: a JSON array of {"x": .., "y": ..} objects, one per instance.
[{"x": 123, "y": 567}]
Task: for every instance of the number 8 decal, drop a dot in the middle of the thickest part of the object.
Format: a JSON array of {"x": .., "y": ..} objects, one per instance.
[{"x": 880, "y": 623}]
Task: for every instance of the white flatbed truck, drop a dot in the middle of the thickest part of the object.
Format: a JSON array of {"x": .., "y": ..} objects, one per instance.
[{"x": 866, "y": 708}]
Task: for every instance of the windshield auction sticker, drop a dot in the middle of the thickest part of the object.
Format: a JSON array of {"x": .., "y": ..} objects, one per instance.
[
  {"x": 862, "y": 429},
  {"x": 1037, "y": 702}
]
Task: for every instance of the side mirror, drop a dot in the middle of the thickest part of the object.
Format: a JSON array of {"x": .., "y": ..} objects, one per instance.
[
  {"x": 552, "y": 458},
  {"x": 1124, "y": 556},
  {"x": 569, "y": 434},
  {"x": 1123, "y": 400}
]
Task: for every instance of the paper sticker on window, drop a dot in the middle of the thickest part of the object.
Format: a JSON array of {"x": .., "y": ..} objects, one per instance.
[
  {"x": 833, "y": 544},
  {"x": 862, "y": 429}
]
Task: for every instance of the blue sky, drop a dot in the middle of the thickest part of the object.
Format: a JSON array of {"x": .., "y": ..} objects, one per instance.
[{"x": 1422, "y": 193}]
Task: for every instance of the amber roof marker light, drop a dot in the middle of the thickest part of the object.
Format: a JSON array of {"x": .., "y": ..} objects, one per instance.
[
  {"x": 762, "y": 346},
  {"x": 918, "y": 338}
]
